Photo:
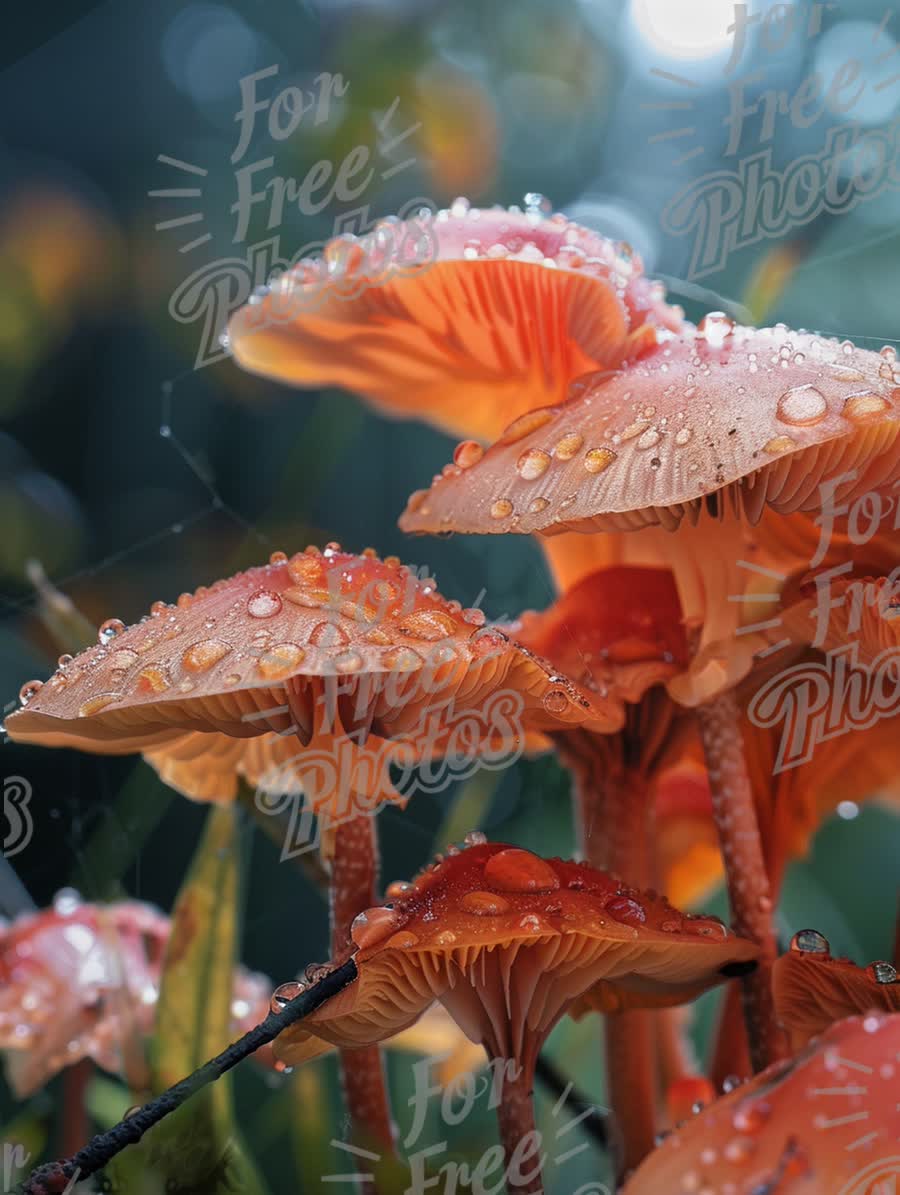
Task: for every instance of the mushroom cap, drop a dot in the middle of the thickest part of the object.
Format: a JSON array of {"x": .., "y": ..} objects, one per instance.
[
  {"x": 81, "y": 981},
  {"x": 306, "y": 650},
  {"x": 862, "y": 611},
  {"x": 466, "y": 318},
  {"x": 508, "y": 941},
  {"x": 826, "y": 1120},
  {"x": 755, "y": 417},
  {"x": 812, "y": 989},
  {"x": 619, "y": 627}
]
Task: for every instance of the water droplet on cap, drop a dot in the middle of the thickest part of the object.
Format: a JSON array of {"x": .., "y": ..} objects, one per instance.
[
  {"x": 109, "y": 629},
  {"x": 263, "y": 604},
  {"x": 802, "y": 406},
  {"x": 883, "y": 972},
  {"x": 810, "y": 941},
  {"x": 515, "y": 870}
]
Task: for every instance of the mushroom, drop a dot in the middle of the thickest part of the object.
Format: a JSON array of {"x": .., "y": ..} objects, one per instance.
[
  {"x": 698, "y": 436},
  {"x": 619, "y": 630},
  {"x": 81, "y": 981},
  {"x": 826, "y": 1120},
  {"x": 508, "y": 942},
  {"x": 337, "y": 666},
  {"x": 408, "y": 313},
  {"x": 813, "y": 989}
]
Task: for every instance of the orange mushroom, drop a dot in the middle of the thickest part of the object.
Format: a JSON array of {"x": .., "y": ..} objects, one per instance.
[
  {"x": 826, "y": 1120},
  {"x": 434, "y": 317},
  {"x": 813, "y": 989},
  {"x": 327, "y": 668},
  {"x": 508, "y": 942},
  {"x": 81, "y": 981},
  {"x": 718, "y": 417}
]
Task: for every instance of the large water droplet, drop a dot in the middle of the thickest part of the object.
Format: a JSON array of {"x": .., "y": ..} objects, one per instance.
[
  {"x": 515, "y": 870},
  {"x": 109, "y": 629},
  {"x": 66, "y": 902},
  {"x": 279, "y": 660},
  {"x": 864, "y": 406},
  {"x": 525, "y": 425},
  {"x": 883, "y": 972},
  {"x": 263, "y": 604},
  {"x": 372, "y": 926},
  {"x": 29, "y": 691},
  {"x": 626, "y": 909},
  {"x": 779, "y": 444},
  {"x": 484, "y": 904},
  {"x": 475, "y": 838},
  {"x": 715, "y": 328},
  {"x": 810, "y": 941},
  {"x": 153, "y": 679},
  {"x": 555, "y": 701},
  {"x": 802, "y": 406},
  {"x": 501, "y": 509},
  {"x": 285, "y": 994},
  {"x": 598, "y": 459},
  {"x": 95, "y": 704},
  {"x": 532, "y": 463},
  {"x": 203, "y": 655},
  {"x": 467, "y": 453},
  {"x": 428, "y": 624},
  {"x": 568, "y": 445}
]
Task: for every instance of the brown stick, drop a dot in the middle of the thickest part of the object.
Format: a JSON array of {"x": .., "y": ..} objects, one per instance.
[
  {"x": 354, "y": 880},
  {"x": 748, "y": 886}
]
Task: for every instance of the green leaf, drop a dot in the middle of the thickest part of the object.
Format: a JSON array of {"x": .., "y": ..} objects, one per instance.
[{"x": 196, "y": 1150}]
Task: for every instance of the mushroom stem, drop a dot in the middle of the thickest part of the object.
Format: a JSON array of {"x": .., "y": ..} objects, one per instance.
[
  {"x": 354, "y": 879},
  {"x": 614, "y": 833},
  {"x": 520, "y": 1140},
  {"x": 745, "y": 870},
  {"x": 731, "y": 1055}
]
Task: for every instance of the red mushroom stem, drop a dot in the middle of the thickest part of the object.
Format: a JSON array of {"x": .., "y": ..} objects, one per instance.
[
  {"x": 613, "y": 812},
  {"x": 354, "y": 881},
  {"x": 518, "y": 1136},
  {"x": 749, "y": 892}
]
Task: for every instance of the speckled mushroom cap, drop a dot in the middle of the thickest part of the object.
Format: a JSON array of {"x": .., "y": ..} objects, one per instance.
[
  {"x": 465, "y": 319},
  {"x": 755, "y": 417},
  {"x": 507, "y": 941},
  {"x": 825, "y": 1122},
  {"x": 81, "y": 981},
  {"x": 320, "y": 645},
  {"x": 813, "y": 989}
]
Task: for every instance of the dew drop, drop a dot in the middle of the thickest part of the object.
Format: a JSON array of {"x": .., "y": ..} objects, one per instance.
[
  {"x": 715, "y": 328},
  {"x": 501, "y": 509},
  {"x": 203, "y": 655},
  {"x": 883, "y": 972},
  {"x": 328, "y": 634},
  {"x": 29, "y": 691},
  {"x": 66, "y": 902},
  {"x": 404, "y": 940},
  {"x": 779, "y": 444},
  {"x": 515, "y": 870},
  {"x": 372, "y": 926},
  {"x": 109, "y": 629},
  {"x": 555, "y": 701},
  {"x": 536, "y": 505},
  {"x": 802, "y": 406},
  {"x": 348, "y": 662},
  {"x": 863, "y": 406},
  {"x": 467, "y": 453},
  {"x": 648, "y": 439},
  {"x": 459, "y": 208},
  {"x": 153, "y": 679},
  {"x": 95, "y": 704},
  {"x": 263, "y": 604},
  {"x": 475, "y": 838},
  {"x": 683, "y": 436},
  {"x": 445, "y": 938},
  {"x": 484, "y": 904},
  {"x": 285, "y": 994},
  {"x": 525, "y": 425},
  {"x": 532, "y": 463},
  {"x": 568, "y": 445},
  {"x": 598, "y": 459},
  {"x": 398, "y": 888},
  {"x": 428, "y": 624},
  {"x": 810, "y": 941},
  {"x": 626, "y": 910},
  {"x": 279, "y": 660}
]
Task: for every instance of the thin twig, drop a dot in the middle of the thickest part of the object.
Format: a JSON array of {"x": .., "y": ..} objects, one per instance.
[{"x": 53, "y": 1178}]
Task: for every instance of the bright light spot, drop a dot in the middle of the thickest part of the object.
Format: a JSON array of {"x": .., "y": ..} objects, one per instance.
[
  {"x": 684, "y": 29},
  {"x": 859, "y": 78},
  {"x": 848, "y": 810}
]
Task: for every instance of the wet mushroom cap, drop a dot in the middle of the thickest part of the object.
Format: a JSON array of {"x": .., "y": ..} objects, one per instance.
[
  {"x": 257, "y": 654},
  {"x": 863, "y": 611},
  {"x": 466, "y": 318},
  {"x": 78, "y": 979},
  {"x": 826, "y": 1120},
  {"x": 508, "y": 941},
  {"x": 620, "y": 626},
  {"x": 763, "y": 415},
  {"x": 813, "y": 989}
]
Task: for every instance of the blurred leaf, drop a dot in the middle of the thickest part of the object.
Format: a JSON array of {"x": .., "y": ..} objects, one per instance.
[
  {"x": 468, "y": 809},
  {"x": 196, "y": 1150}
]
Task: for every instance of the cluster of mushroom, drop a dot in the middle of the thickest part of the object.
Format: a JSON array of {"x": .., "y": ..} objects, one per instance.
[{"x": 679, "y": 479}]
